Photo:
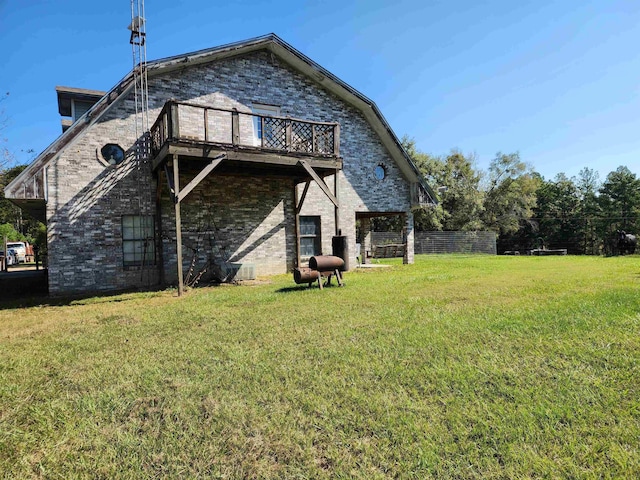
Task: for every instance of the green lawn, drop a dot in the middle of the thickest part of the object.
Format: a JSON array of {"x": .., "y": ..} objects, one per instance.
[{"x": 455, "y": 367}]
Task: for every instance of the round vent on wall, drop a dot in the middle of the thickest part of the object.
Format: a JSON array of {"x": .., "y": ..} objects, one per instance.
[
  {"x": 113, "y": 154},
  {"x": 380, "y": 172}
]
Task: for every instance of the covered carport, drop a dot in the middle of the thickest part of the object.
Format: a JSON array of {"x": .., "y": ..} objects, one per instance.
[{"x": 20, "y": 280}]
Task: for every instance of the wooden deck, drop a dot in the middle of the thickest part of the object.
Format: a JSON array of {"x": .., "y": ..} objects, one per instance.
[{"x": 255, "y": 144}]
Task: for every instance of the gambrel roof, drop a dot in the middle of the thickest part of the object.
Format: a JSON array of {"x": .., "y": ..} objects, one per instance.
[{"x": 19, "y": 188}]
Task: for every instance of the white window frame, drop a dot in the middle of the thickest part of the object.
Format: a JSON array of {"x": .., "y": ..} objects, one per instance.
[{"x": 267, "y": 111}]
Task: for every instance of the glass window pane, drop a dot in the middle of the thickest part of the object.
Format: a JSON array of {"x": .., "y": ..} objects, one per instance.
[
  {"x": 128, "y": 247},
  {"x": 127, "y": 227},
  {"x": 309, "y": 225},
  {"x": 307, "y": 230},
  {"x": 307, "y": 247},
  {"x": 138, "y": 240}
]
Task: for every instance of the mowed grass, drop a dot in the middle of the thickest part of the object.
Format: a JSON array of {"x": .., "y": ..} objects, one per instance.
[{"x": 455, "y": 367}]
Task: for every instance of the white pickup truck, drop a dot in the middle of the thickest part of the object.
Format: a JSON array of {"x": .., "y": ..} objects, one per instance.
[{"x": 21, "y": 250}]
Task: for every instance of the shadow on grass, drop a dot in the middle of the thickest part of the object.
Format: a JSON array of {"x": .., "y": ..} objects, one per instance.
[
  {"x": 45, "y": 300},
  {"x": 300, "y": 288},
  {"x": 296, "y": 288}
]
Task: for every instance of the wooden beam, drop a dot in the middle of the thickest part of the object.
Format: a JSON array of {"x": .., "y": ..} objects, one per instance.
[
  {"x": 170, "y": 184},
  {"x": 176, "y": 180},
  {"x": 198, "y": 178},
  {"x": 287, "y": 133},
  {"x": 235, "y": 127},
  {"x": 336, "y": 212},
  {"x": 159, "y": 247},
  {"x": 304, "y": 194},
  {"x": 250, "y": 155},
  {"x": 206, "y": 124},
  {"x": 162, "y": 154},
  {"x": 313, "y": 138},
  {"x": 274, "y": 159},
  {"x": 175, "y": 121},
  {"x": 319, "y": 181},
  {"x": 297, "y": 219}
]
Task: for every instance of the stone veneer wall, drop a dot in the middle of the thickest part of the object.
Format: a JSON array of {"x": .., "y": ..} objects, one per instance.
[
  {"x": 245, "y": 219},
  {"x": 87, "y": 200}
]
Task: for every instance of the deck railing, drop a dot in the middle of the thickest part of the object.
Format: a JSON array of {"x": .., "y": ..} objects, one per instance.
[{"x": 181, "y": 121}]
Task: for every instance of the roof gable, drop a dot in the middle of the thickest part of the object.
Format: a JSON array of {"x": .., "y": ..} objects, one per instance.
[{"x": 276, "y": 46}]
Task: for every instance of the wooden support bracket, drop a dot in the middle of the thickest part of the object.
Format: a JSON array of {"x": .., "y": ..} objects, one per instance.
[
  {"x": 323, "y": 186},
  {"x": 198, "y": 178},
  {"x": 304, "y": 194},
  {"x": 169, "y": 175}
]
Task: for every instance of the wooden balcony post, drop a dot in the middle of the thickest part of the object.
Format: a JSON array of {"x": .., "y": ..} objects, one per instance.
[
  {"x": 206, "y": 124},
  {"x": 287, "y": 134},
  {"x": 336, "y": 209},
  {"x": 165, "y": 127},
  {"x": 336, "y": 140},
  {"x": 313, "y": 139},
  {"x": 175, "y": 123},
  {"x": 235, "y": 127}
]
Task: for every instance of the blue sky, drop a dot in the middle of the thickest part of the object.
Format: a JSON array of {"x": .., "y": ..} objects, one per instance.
[{"x": 557, "y": 81}]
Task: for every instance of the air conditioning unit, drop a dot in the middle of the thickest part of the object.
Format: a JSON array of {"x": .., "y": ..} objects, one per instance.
[{"x": 243, "y": 271}]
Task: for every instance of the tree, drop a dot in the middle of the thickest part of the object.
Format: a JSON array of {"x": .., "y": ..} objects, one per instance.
[
  {"x": 461, "y": 198},
  {"x": 10, "y": 213},
  {"x": 619, "y": 200},
  {"x": 557, "y": 212},
  {"x": 510, "y": 194},
  {"x": 7, "y": 230},
  {"x": 588, "y": 184},
  {"x": 426, "y": 218},
  {"x": 460, "y": 202}
]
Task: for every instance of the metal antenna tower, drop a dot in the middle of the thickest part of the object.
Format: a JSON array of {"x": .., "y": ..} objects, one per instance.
[{"x": 138, "y": 41}]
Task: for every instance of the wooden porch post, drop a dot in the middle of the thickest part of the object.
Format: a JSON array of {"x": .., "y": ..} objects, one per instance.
[
  {"x": 176, "y": 189},
  {"x": 159, "y": 246},
  {"x": 297, "y": 221},
  {"x": 336, "y": 211}
]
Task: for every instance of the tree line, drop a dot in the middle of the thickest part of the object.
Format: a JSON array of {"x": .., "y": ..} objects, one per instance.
[{"x": 581, "y": 214}]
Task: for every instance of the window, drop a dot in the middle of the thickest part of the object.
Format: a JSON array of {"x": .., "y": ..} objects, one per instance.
[
  {"x": 270, "y": 132},
  {"x": 310, "y": 238},
  {"x": 79, "y": 108},
  {"x": 138, "y": 240}
]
